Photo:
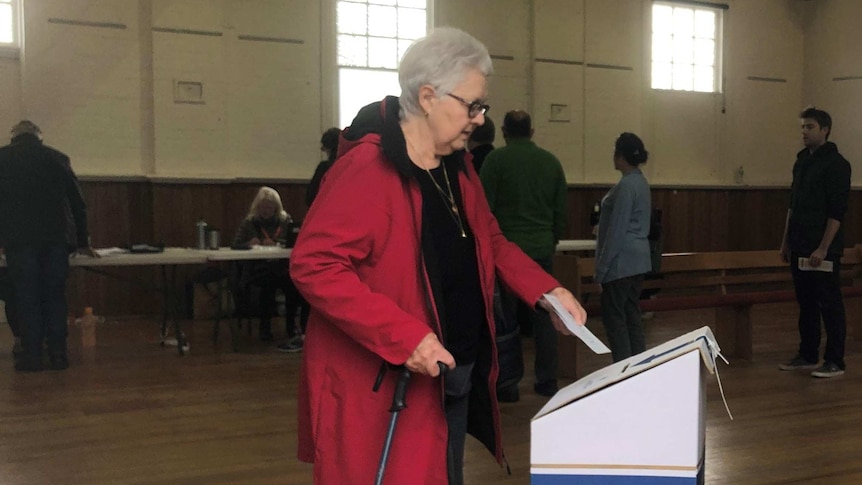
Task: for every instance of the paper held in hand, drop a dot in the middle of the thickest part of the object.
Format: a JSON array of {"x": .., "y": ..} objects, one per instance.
[
  {"x": 580, "y": 331},
  {"x": 805, "y": 265}
]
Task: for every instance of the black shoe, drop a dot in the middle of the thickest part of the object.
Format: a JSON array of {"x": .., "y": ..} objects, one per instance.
[
  {"x": 28, "y": 364},
  {"x": 59, "y": 361},
  {"x": 547, "y": 388},
  {"x": 293, "y": 345},
  {"x": 508, "y": 394},
  {"x": 266, "y": 336}
]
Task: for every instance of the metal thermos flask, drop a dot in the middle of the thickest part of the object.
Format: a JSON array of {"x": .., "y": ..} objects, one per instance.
[
  {"x": 201, "y": 234},
  {"x": 213, "y": 238}
]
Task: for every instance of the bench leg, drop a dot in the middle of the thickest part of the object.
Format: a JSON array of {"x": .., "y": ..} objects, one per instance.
[{"x": 734, "y": 331}]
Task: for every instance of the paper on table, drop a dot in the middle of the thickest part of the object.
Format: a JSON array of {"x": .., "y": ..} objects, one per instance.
[
  {"x": 580, "y": 331},
  {"x": 805, "y": 265},
  {"x": 110, "y": 251}
]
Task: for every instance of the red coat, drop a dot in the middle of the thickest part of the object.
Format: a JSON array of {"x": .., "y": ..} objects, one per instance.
[{"x": 358, "y": 263}]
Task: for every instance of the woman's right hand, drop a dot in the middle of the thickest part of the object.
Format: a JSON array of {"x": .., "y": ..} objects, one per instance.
[
  {"x": 254, "y": 242},
  {"x": 426, "y": 355}
]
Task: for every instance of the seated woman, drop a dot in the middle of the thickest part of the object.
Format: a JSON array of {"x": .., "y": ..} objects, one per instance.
[{"x": 267, "y": 224}]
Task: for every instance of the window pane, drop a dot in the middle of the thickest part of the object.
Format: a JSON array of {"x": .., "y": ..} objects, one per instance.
[
  {"x": 352, "y": 18},
  {"x": 662, "y": 48},
  {"x": 382, "y": 21},
  {"x": 683, "y": 50},
  {"x": 413, "y": 3},
  {"x": 358, "y": 87},
  {"x": 704, "y": 52},
  {"x": 402, "y": 48},
  {"x": 704, "y": 24},
  {"x": 683, "y": 21},
  {"x": 6, "y": 28},
  {"x": 704, "y": 79},
  {"x": 683, "y": 77},
  {"x": 382, "y": 2},
  {"x": 412, "y": 23},
  {"x": 662, "y": 75},
  {"x": 662, "y": 18},
  {"x": 352, "y": 50},
  {"x": 382, "y": 52}
]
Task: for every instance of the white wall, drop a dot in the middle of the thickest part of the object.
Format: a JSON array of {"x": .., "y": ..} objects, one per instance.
[
  {"x": 833, "y": 72},
  {"x": 106, "y": 95}
]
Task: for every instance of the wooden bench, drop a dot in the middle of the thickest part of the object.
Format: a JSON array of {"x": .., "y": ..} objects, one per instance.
[{"x": 731, "y": 282}]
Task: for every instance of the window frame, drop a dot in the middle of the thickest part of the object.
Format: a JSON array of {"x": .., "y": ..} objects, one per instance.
[
  {"x": 340, "y": 68},
  {"x": 719, "y": 47},
  {"x": 13, "y": 49}
]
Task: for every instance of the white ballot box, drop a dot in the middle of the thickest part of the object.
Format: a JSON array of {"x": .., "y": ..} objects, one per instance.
[{"x": 638, "y": 421}]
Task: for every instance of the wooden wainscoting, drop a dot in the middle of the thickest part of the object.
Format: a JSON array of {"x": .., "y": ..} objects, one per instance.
[{"x": 140, "y": 210}]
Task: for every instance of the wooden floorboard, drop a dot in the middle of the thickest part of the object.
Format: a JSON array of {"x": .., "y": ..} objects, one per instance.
[{"x": 132, "y": 412}]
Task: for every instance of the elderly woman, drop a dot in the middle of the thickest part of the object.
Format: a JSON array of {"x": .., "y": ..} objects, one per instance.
[
  {"x": 622, "y": 249},
  {"x": 267, "y": 224},
  {"x": 398, "y": 257}
]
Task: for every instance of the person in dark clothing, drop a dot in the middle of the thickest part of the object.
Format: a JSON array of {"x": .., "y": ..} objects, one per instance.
[
  {"x": 481, "y": 142},
  {"x": 814, "y": 239},
  {"x": 329, "y": 146},
  {"x": 9, "y": 308},
  {"x": 37, "y": 190},
  {"x": 267, "y": 224},
  {"x": 526, "y": 190}
]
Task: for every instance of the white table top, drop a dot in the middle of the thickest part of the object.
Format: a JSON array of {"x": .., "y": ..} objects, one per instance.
[
  {"x": 168, "y": 256},
  {"x": 576, "y": 245},
  {"x": 256, "y": 252},
  {"x": 115, "y": 257},
  {"x": 172, "y": 256}
]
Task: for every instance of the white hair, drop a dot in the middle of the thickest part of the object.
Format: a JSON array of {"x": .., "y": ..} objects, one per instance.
[
  {"x": 270, "y": 194},
  {"x": 442, "y": 59}
]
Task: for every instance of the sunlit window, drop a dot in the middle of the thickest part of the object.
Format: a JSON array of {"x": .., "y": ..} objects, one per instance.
[
  {"x": 372, "y": 37},
  {"x": 8, "y": 23},
  {"x": 686, "y": 47}
]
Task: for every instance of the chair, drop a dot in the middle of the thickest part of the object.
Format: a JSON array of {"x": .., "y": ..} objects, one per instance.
[{"x": 215, "y": 283}]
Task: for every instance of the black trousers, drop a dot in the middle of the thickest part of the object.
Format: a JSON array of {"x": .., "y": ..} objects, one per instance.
[
  {"x": 458, "y": 385},
  {"x": 621, "y": 316},
  {"x": 546, "y": 361},
  {"x": 819, "y": 296},
  {"x": 38, "y": 274}
]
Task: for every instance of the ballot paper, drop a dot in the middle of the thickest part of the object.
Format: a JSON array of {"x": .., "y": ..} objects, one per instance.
[
  {"x": 805, "y": 265},
  {"x": 580, "y": 331}
]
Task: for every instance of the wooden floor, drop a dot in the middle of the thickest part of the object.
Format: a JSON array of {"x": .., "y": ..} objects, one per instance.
[{"x": 132, "y": 412}]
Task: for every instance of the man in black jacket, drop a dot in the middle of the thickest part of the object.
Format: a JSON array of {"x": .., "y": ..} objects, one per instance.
[
  {"x": 38, "y": 189},
  {"x": 814, "y": 240}
]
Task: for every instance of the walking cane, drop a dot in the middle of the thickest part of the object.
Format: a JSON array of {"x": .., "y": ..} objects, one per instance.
[{"x": 398, "y": 404}]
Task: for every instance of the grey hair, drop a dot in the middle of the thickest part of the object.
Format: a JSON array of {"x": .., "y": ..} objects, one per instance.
[
  {"x": 442, "y": 59},
  {"x": 25, "y": 126},
  {"x": 270, "y": 194}
]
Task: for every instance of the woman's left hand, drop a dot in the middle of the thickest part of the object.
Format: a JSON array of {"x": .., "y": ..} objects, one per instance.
[{"x": 570, "y": 303}]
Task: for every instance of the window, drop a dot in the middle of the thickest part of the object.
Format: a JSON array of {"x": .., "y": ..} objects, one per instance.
[
  {"x": 8, "y": 23},
  {"x": 372, "y": 37},
  {"x": 686, "y": 46}
]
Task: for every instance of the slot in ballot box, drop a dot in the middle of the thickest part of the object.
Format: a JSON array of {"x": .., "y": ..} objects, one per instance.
[{"x": 637, "y": 421}]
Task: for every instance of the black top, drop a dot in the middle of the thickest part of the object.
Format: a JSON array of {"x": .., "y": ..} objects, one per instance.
[
  {"x": 452, "y": 264},
  {"x": 39, "y": 196},
  {"x": 316, "y": 179},
  {"x": 479, "y": 153},
  {"x": 820, "y": 191}
]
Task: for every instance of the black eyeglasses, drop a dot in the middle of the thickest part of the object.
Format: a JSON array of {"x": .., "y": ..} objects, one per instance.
[{"x": 474, "y": 109}]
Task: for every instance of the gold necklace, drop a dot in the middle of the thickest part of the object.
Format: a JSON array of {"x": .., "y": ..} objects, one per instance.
[{"x": 447, "y": 197}]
